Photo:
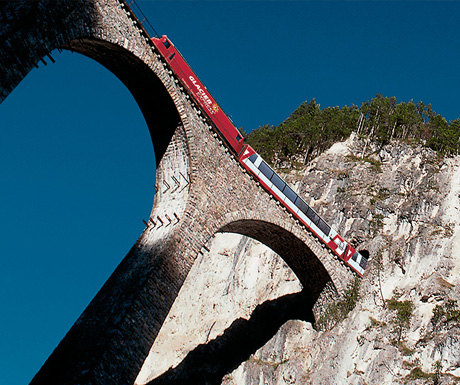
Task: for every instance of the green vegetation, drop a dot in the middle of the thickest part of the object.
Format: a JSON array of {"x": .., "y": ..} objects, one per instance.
[
  {"x": 310, "y": 130},
  {"x": 377, "y": 222},
  {"x": 445, "y": 314},
  {"x": 411, "y": 365},
  {"x": 273, "y": 364},
  {"x": 337, "y": 311},
  {"x": 404, "y": 349},
  {"x": 307, "y": 132},
  {"x": 437, "y": 367},
  {"x": 377, "y": 165},
  {"x": 377, "y": 323},
  {"x": 418, "y": 374},
  {"x": 402, "y": 317}
]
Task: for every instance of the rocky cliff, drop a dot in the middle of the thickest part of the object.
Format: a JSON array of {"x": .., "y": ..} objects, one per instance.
[{"x": 240, "y": 317}]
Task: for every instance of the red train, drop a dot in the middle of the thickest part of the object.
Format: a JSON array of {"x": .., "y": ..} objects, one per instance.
[{"x": 254, "y": 163}]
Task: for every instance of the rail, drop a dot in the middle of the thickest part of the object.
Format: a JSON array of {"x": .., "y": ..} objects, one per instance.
[{"x": 140, "y": 18}]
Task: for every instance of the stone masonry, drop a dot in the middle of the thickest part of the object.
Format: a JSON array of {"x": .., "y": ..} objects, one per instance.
[{"x": 201, "y": 190}]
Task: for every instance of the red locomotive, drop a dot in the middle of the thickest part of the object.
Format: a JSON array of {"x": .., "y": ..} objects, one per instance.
[
  {"x": 254, "y": 163},
  {"x": 201, "y": 95}
]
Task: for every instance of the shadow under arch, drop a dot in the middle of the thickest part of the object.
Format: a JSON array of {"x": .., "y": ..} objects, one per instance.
[
  {"x": 208, "y": 363},
  {"x": 304, "y": 263},
  {"x": 151, "y": 95}
]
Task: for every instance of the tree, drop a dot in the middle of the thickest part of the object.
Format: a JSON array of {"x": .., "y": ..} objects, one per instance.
[
  {"x": 403, "y": 315},
  {"x": 309, "y": 131}
]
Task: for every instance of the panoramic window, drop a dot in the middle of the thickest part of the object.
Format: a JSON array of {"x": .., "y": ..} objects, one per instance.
[
  {"x": 301, "y": 205},
  {"x": 324, "y": 227},
  {"x": 313, "y": 216},
  {"x": 266, "y": 170},
  {"x": 291, "y": 195},
  {"x": 253, "y": 158},
  {"x": 278, "y": 182}
]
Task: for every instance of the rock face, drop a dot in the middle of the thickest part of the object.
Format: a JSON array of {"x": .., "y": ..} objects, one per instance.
[{"x": 239, "y": 318}]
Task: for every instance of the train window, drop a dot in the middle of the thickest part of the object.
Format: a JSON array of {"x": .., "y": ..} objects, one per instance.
[
  {"x": 172, "y": 56},
  {"x": 167, "y": 44},
  {"x": 301, "y": 205},
  {"x": 363, "y": 263},
  {"x": 238, "y": 138},
  {"x": 313, "y": 216},
  {"x": 266, "y": 170},
  {"x": 354, "y": 257},
  {"x": 324, "y": 227},
  {"x": 278, "y": 182},
  {"x": 290, "y": 194},
  {"x": 253, "y": 158}
]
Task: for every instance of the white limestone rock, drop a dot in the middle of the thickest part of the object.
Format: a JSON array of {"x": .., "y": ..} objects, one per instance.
[{"x": 403, "y": 205}]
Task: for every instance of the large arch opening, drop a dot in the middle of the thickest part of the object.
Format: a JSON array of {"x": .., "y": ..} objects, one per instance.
[
  {"x": 77, "y": 175},
  {"x": 157, "y": 107}
]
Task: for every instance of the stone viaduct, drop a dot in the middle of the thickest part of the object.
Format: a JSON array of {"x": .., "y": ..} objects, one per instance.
[{"x": 201, "y": 190}]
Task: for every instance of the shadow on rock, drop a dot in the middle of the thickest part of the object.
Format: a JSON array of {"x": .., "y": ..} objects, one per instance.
[{"x": 208, "y": 363}]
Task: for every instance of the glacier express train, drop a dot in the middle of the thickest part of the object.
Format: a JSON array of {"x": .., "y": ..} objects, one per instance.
[{"x": 254, "y": 163}]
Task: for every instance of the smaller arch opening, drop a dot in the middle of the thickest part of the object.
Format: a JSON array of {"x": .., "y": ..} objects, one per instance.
[{"x": 305, "y": 264}]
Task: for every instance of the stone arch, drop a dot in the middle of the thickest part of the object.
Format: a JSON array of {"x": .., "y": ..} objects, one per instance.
[
  {"x": 289, "y": 242},
  {"x": 159, "y": 103},
  {"x": 109, "y": 34}
]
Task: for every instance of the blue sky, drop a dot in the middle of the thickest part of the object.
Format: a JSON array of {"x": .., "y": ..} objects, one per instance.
[{"x": 77, "y": 162}]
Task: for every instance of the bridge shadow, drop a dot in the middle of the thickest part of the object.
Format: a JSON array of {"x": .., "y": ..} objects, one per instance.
[{"x": 208, "y": 363}]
